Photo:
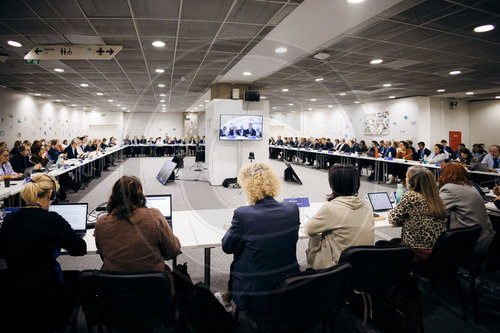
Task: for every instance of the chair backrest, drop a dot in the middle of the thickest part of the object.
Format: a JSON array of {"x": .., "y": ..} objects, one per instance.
[
  {"x": 452, "y": 249},
  {"x": 308, "y": 298},
  {"x": 130, "y": 302},
  {"x": 377, "y": 269}
]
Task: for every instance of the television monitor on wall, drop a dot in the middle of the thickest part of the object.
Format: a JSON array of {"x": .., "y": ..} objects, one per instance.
[{"x": 240, "y": 127}]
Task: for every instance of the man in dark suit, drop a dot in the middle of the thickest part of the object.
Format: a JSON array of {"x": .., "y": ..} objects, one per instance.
[
  {"x": 233, "y": 131},
  {"x": 71, "y": 151},
  {"x": 422, "y": 151},
  {"x": 223, "y": 131},
  {"x": 343, "y": 146},
  {"x": 279, "y": 142},
  {"x": 21, "y": 160},
  {"x": 250, "y": 131},
  {"x": 389, "y": 150},
  {"x": 447, "y": 148},
  {"x": 262, "y": 238}
]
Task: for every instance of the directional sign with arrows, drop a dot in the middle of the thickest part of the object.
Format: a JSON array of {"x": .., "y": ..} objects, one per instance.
[{"x": 73, "y": 52}]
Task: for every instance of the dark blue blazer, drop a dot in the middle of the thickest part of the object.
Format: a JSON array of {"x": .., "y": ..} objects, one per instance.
[
  {"x": 391, "y": 149},
  {"x": 263, "y": 239}
]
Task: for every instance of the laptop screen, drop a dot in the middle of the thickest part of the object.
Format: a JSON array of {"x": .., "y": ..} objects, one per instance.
[
  {"x": 162, "y": 202},
  {"x": 380, "y": 201},
  {"x": 75, "y": 214}
]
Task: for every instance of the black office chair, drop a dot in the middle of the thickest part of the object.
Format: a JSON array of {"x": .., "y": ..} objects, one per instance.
[
  {"x": 477, "y": 265},
  {"x": 304, "y": 301},
  {"x": 127, "y": 302},
  {"x": 378, "y": 271},
  {"x": 451, "y": 250}
]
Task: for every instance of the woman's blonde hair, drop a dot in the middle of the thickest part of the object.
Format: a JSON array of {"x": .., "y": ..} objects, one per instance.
[
  {"x": 38, "y": 187},
  {"x": 425, "y": 183},
  {"x": 258, "y": 181}
]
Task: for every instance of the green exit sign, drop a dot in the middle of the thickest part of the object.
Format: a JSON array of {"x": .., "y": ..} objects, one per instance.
[{"x": 32, "y": 62}]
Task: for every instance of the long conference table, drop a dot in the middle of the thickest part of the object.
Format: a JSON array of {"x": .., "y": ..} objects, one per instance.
[
  {"x": 351, "y": 158},
  {"x": 197, "y": 229}
]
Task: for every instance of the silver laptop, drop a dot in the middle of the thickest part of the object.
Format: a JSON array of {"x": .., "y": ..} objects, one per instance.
[{"x": 478, "y": 166}]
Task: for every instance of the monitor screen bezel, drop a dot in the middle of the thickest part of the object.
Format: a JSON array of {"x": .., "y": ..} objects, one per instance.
[
  {"x": 241, "y": 115},
  {"x": 162, "y": 195},
  {"x": 75, "y": 204}
]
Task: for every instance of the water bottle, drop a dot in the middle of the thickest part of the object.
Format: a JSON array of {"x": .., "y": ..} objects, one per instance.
[
  {"x": 399, "y": 193},
  {"x": 389, "y": 154}
]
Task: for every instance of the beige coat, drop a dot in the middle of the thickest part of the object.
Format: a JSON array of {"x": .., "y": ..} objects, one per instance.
[{"x": 338, "y": 224}]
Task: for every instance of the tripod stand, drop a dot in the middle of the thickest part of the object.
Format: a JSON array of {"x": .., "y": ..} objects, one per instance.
[{"x": 198, "y": 159}]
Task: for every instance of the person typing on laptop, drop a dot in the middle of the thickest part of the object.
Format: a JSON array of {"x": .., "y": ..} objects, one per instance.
[{"x": 30, "y": 242}]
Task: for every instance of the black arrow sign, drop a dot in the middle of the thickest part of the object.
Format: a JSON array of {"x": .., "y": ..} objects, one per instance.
[
  {"x": 37, "y": 50},
  {"x": 110, "y": 51}
]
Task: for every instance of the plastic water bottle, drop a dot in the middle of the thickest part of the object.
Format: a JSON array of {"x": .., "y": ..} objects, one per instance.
[
  {"x": 399, "y": 193},
  {"x": 389, "y": 154}
]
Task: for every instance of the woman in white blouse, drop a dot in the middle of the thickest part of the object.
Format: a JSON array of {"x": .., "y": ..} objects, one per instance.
[{"x": 438, "y": 156}]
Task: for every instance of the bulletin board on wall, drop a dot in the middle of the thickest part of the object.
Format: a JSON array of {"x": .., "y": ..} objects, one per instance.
[{"x": 376, "y": 123}]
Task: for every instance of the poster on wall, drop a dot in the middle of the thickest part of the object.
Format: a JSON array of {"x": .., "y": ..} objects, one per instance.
[{"x": 376, "y": 123}]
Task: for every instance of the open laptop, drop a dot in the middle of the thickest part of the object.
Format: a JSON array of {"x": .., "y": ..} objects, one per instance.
[
  {"x": 478, "y": 166},
  {"x": 75, "y": 214},
  {"x": 380, "y": 201},
  {"x": 483, "y": 195},
  {"x": 27, "y": 172},
  {"x": 162, "y": 202}
]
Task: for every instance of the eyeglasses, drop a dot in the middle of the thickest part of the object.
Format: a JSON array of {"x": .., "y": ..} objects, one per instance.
[{"x": 5, "y": 155}]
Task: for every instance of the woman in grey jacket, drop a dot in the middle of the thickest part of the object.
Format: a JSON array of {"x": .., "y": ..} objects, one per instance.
[{"x": 464, "y": 203}]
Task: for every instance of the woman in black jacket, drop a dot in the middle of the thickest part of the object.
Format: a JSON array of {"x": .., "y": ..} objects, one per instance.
[{"x": 30, "y": 241}]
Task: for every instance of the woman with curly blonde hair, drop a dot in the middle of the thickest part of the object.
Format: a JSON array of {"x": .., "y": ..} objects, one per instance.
[{"x": 263, "y": 238}]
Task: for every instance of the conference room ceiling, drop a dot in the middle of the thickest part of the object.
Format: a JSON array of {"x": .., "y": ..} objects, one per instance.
[
  {"x": 420, "y": 42},
  {"x": 204, "y": 39}
]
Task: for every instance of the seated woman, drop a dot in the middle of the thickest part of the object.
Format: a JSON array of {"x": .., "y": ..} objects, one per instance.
[
  {"x": 465, "y": 157},
  {"x": 421, "y": 213},
  {"x": 39, "y": 155},
  {"x": 132, "y": 237},
  {"x": 263, "y": 238},
  {"x": 464, "y": 204},
  {"x": 5, "y": 167},
  {"x": 478, "y": 152},
  {"x": 344, "y": 220},
  {"x": 438, "y": 156},
  {"x": 30, "y": 241},
  {"x": 399, "y": 170}
]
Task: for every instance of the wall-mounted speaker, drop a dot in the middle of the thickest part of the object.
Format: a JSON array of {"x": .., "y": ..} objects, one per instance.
[{"x": 453, "y": 105}]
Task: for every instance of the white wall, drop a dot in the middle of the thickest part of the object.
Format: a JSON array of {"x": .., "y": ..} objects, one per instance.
[
  {"x": 443, "y": 120},
  {"x": 153, "y": 124},
  {"x": 29, "y": 118},
  {"x": 105, "y": 124},
  {"x": 485, "y": 118},
  {"x": 225, "y": 158}
]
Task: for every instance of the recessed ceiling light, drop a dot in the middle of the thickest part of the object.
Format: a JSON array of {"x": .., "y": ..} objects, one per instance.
[
  {"x": 484, "y": 28},
  {"x": 162, "y": 95},
  {"x": 321, "y": 56},
  {"x": 164, "y": 111},
  {"x": 37, "y": 94},
  {"x": 57, "y": 100},
  {"x": 274, "y": 108},
  {"x": 285, "y": 90},
  {"x": 376, "y": 61},
  {"x": 207, "y": 100},
  {"x": 200, "y": 105},
  {"x": 161, "y": 85},
  {"x": 309, "y": 109},
  {"x": 159, "y": 70},
  {"x": 391, "y": 97},
  {"x": 497, "y": 97},
  {"x": 281, "y": 50},
  {"x": 469, "y": 93},
  {"x": 313, "y": 99},
  {"x": 14, "y": 43},
  {"x": 342, "y": 94},
  {"x": 163, "y": 105},
  {"x": 319, "y": 79},
  {"x": 263, "y": 97},
  {"x": 247, "y": 73},
  {"x": 124, "y": 108},
  {"x": 330, "y": 106},
  {"x": 290, "y": 104},
  {"x": 441, "y": 90},
  {"x": 455, "y": 72},
  {"x": 118, "y": 105},
  {"x": 357, "y": 102},
  {"x": 128, "y": 110},
  {"x": 60, "y": 70},
  {"x": 355, "y": 1},
  {"x": 85, "y": 108},
  {"x": 162, "y": 101},
  {"x": 158, "y": 43},
  {"x": 83, "y": 85},
  {"x": 110, "y": 100},
  {"x": 386, "y": 85},
  {"x": 73, "y": 105}
]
